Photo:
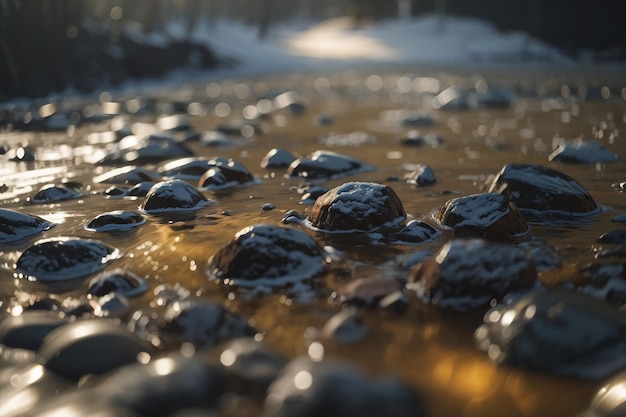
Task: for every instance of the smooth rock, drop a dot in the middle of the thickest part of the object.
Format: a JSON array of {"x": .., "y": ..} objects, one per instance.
[
  {"x": 468, "y": 273},
  {"x": 357, "y": 207},
  {"x": 64, "y": 258},
  {"x": 115, "y": 221},
  {"x": 15, "y": 225},
  {"x": 486, "y": 215},
  {"x": 89, "y": 346},
  {"x": 326, "y": 165},
  {"x": 582, "y": 152},
  {"x": 173, "y": 195},
  {"x": 564, "y": 333},
  {"x": 543, "y": 191},
  {"x": 267, "y": 255}
]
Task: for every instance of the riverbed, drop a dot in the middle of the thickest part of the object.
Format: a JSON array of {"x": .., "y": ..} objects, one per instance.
[{"x": 366, "y": 116}]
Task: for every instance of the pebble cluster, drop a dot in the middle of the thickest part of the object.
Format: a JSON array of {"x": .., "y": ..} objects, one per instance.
[{"x": 122, "y": 344}]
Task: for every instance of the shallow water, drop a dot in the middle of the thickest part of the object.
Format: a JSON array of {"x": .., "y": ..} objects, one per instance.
[{"x": 434, "y": 350}]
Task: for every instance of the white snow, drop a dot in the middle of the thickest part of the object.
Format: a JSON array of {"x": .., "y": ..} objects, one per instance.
[{"x": 339, "y": 43}]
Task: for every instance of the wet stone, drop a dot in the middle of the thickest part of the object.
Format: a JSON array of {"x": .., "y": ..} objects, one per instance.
[
  {"x": 543, "y": 191},
  {"x": 217, "y": 139},
  {"x": 64, "y": 258},
  {"x": 163, "y": 386},
  {"x": 620, "y": 218},
  {"x": 189, "y": 169},
  {"x": 113, "y": 221},
  {"x": 265, "y": 255},
  {"x": 173, "y": 195},
  {"x": 127, "y": 175},
  {"x": 120, "y": 281},
  {"x": 582, "y": 152},
  {"x": 357, "y": 207},
  {"x": 250, "y": 366},
  {"x": 139, "y": 190},
  {"x": 494, "y": 97},
  {"x": 326, "y": 165},
  {"x": 312, "y": 193},
  {"x": 225, "y": 174},
  {"x": 345, "y": 327},
  {"x": 51, "y": 193},
  {"x": 468, "y": 273},
  {"x": 202, "y": 323},
  {"x": 277, "y": 158},
  {"x": 487, "y": 215},
  {"x": 89, "y": 346},
  {"x": 28, "y": 330},
  {"x": 15, "y": 225},
  {"x": 613, "y": 237},
  {"x": 621, "y": 186},
  {"x": 144, "y": 149},
  {"x": 115, "y": 192},
  {"x": 331, "y": 388},
  {"x": 565, "y": 333},
  {"x": 422, "y": 176},
  {"x": 395, "y": 302}
]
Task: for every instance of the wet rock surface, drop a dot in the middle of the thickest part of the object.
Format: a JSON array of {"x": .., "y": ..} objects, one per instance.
[
  {"x": 564, "y": 333},
  {"x": 267, "y": 255},
  {"x": 51, "y": 193},
  {"x": 488, "y": 215},
  {"x": 173, "y": 195},
  {"x": 15, "y": 225},
  {"x": 541, "y": 189},
  {"x": 307, "y": 388},
  {"x": 582, "y": 152},
  {"x": 354, "y": 207},
  {"x": 64, "y": 259},
  {"x": 326, "y": 165},
  {"x": 118, "y": 220},
  {"x": 468, "y": 273},
  {"x": 344, "y": 304}
]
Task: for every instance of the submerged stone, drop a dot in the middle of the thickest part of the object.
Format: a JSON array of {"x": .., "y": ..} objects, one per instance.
[
  {"x": 15, "y": 225},
  {"x": 452, "y": 98},
  {"x": 267, "y": 255},
  {"x": 277, "y": 158},
  {"x": 202, "y": 323},
  {"x": 357, "y": 207},
  {"x": 366, "y": 291},
  {"x": 422, "y": 176},
  {"x": 144, "y": 149},
  {"x": 542, "y": 190},
  {"x": 326, "y": 165},
  {"x": 468, "y": 273},
  {"x": 127, "y": 175},
  {"x": 345, "y": 327},
  {"x": 250, "y": 366},
  {"x": 163, "y": 386},
  {"x": 613, "y": 237},
  {"x": 565, "y": 333},
  {"x": 487, "y": 215},
  {"x": 225, "y": 174},
  {"x": 312, "y": 389},
  {"x": 64, "y": 258},
  {"x": 173, "y": 195},
  {"x": 609, "y": 400},
  {"x": 28, "y": 330},
  {"x": 118, "y": 220},
  {"x": 189, "y": 169},
  {"x": 89, "y": 346},
  {"x": 51, "y": 193},
  {"x": 139, "y": 190},
  {"x": 120, "y": 281},
  {"x": 583, "y": 152}
]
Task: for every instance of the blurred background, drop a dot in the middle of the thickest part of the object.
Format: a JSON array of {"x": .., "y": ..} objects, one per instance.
[{"x": 49, "y": 45}]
